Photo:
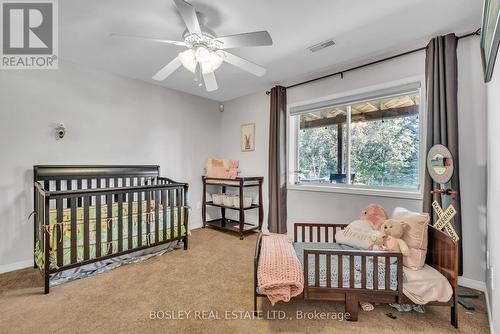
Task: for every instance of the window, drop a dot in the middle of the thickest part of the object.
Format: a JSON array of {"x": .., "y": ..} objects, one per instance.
[{"x": 368, "y": 142}]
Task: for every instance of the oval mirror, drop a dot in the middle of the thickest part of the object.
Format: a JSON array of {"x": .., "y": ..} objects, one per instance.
[{"x": 440, "y": 164}]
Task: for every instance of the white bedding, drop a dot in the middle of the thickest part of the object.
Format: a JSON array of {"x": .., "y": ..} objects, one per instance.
[{"x": 426, "y": 285}]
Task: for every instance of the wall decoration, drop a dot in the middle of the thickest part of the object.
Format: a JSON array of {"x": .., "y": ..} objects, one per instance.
[
  {"x": 490, "y": 36},
  {"x": 248, "y": 137}
]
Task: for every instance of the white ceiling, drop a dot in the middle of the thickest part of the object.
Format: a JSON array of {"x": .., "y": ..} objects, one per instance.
[{"x": 361, "y": 29}]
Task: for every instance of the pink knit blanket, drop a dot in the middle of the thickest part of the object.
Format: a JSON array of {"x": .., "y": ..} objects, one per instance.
[{"x": 279, "y": 272}]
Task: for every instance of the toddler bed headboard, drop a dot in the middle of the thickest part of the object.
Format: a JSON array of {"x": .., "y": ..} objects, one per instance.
[{"x": 442, "y": 254}]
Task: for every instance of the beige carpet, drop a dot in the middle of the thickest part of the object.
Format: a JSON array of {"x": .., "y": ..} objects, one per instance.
[{"x": 215, "y": 274}]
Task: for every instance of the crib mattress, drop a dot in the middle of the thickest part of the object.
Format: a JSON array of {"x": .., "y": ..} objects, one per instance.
[{"x": 299, "y": 250}]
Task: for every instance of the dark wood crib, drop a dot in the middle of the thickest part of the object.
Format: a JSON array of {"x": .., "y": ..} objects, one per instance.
[
  {"x": 85, "y": 214},
  {"x": 442, "y": 255}
]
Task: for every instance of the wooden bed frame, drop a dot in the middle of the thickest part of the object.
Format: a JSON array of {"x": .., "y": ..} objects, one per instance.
[
  {"x": 73, "y": 187},
  {"x": 442, "y": 254}
]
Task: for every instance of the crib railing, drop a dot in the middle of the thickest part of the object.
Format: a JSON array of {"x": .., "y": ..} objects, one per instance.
[{"x": 117, "y": 214}]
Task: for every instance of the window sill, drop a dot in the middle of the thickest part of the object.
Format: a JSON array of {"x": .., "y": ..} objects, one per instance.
[{"x": 352, "y": 190}]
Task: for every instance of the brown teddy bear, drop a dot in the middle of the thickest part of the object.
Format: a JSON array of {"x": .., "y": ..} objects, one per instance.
[{"x": 392, "y": 242}]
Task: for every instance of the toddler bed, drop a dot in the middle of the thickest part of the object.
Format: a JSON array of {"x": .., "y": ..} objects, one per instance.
[
  {"x": 340, "y": 273},
  {"x": 87, "y": 214}
]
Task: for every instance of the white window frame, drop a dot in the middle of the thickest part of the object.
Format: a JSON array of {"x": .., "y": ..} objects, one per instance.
[{"x": 292, "y": 146}]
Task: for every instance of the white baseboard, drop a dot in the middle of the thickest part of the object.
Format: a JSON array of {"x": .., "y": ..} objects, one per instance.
[
  {"x": 471, "y": 283},
  {"x": 16, "y": 266},
  {"x": 490, "y": 319}
]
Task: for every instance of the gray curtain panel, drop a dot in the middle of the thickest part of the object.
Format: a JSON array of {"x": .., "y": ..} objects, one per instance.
[
  {"x": 442, "y": 117},
  {"x": 277, "y": 161}
]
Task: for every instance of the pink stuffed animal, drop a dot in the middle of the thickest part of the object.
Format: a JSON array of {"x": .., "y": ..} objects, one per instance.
[
  {"x": 234, "y": 166},
  {"x": 375, "y": 214}
]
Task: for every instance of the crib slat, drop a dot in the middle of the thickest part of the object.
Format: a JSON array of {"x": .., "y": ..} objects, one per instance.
[
  {"x": 172, "y": 213},
  {"x": 86, "y": 227},
  {"x": 69, "y": 186},
  {"x": 387, "y": 272},
  {"x": 318, "y": 234},
  {"x": 60, "y": 228},
  {"x": 139, "y": 219},
  {"x": 79, "y": 186},
  {"x": 120, "y": 222},
  {"x": 109, "y": 223},
  {"x": 303, "y": 234},
  {"x": 328, "y": 270},
  {"x": 130, "y": 220},
  {"x": 326, "y": 233},
  {"x": 157, "y": 216},
  {"x": 164, "y": 213},
  {"x": 98, "y": 222},
  {"x": 179, "y": 212},
  {"x": 73, "y": 249},
  {"x": 363, "y": 272},
  {"x": 310, "y": 234},
  {"x": 375, "y": 273},
  {"x": 340, "y": 270},
  {"x": 351, "y": 271},
  {"x": 148, "y": 215}
]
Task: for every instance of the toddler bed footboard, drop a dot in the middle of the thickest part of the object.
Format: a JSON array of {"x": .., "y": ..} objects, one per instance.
[
  {"x": 338, "y": 274},
  {"x": 85, "y": 214},
  {"x": 346, "y": 275}
]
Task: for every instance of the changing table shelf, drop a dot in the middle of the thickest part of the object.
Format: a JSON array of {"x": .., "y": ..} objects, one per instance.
[{"x": 239, "y": 226}]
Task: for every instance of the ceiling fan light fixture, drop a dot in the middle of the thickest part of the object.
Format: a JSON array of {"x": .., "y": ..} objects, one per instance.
[
  {"x": 205, "y": 51},
  {"x": 212, "y": 63},
  {"x": 190, "y": 58}
]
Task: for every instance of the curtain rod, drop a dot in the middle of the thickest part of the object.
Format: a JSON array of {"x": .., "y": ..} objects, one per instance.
[{"x": 341, "y": 73}]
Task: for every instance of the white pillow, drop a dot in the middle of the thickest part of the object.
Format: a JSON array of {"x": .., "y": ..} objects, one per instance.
[
  {"x": 358, "y": 234},
  {"x": 399, "y": 211}
]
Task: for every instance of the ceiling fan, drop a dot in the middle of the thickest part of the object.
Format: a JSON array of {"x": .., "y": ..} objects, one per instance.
[{"x": 205, "y": 51}]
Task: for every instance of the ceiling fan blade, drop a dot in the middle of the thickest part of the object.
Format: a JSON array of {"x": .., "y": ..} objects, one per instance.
[
  {"x": 244, "y": 64},
  {"x": 188, "y": 13},
  {"x": 179, "y": 43},
  {"x": 257, "y": 38},
  {"x": 168, "y": 69},
  {"x": 210, "y": 81}
]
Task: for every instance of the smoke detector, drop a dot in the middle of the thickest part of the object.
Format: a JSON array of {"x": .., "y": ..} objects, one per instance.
[{"x": 321, "y": 46}]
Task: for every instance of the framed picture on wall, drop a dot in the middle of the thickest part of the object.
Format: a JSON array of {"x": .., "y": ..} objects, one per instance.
[
  {"x": 248, "y": 137},
  {"x": 490, "y": 36}
]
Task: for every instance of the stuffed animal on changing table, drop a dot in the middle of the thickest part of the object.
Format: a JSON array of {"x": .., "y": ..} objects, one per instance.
[
  {"x": 392, "y": 241},
  {"x": 222, "y": 169},
  {"x": 234, "y": 169}
]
